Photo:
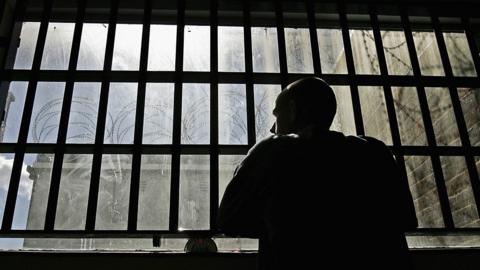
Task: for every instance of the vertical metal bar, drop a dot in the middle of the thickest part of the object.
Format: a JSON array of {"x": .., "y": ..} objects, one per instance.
[
  {"x": 457, "y": 108},
  {"x": 139, "y": 115},
  {"x": 385, "y": 80},
  {"x": 427, "y": 121},
  {"x": 102, "y": 114},
  {"x": 177, "y": 118},
  {"x": 282, "y": 51},
  {"x": 472, "y": 44},
  {"x": 24, "y": 125},
  {"x": 213, "y": 113},
  {"x": 62, "y": 135},
  {"x": 357, "y": 110},
  {"x": 313, "y": 37},
  {"x": 250, "y": 95}
]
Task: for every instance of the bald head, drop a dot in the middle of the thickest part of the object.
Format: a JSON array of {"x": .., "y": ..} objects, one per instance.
[{"x": 307, "y": 101}]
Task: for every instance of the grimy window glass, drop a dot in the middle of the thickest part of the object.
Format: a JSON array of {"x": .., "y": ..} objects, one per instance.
[{"x": 133, "y": 123}]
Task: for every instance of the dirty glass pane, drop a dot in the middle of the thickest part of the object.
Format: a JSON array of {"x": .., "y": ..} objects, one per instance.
[
  {"x": 196, "y": 53},
  {"x": 232, "y": 114},
  {"x": 470, "y": 100},
  {"x": 114, "y": 192},
  {"x": 122, "y": 103},
  {"x": 46, "y": 112},
  {"x": 396, "y": 53},
  {"x": 264, "y": 98},
  {"x": 428, "y": 53},
  {"x": 265, "y": 49},
  {"x": 231, "y": 51},
  {"x": 82, "y": 123},
  {"x": 409, "y": 116},
  {"x": 299, "y": 50},
  {"x": 73, "y": 193},
  {"x": 32, "y": 196},
  {"x": 6, "y": 164},
  {"x": 26, "y": 48},
  {"x": 58, "y": 45},
  {"x": 374, "y": 112},
  {"x": 13, "y": 111},
  {"x": 161, "y": 50},
  {"x": 443, "y": 117},
  {"x": 344, "y": 120},
  {"x": 364, "y": 52},
  {"x": 158, "y": 115},
  {"x": 92, "y": 46},
  {"x": 196, "y": 114},
  {"x": 226, "y": 166},
  {"x": 422, "y": 185},
  {"x": 126, "y": 51},
  {"x": 460, "y": 194},
  {"x": 332, "y": 51},
  {"x": 459, "y": 54},
  {"x": 154, "y": 193},
  {"x": 194, "y": 207}
]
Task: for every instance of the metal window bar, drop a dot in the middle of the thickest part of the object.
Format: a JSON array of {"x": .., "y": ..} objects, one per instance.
[
  {"x": 427, "y": 121},
  {"x": 213, "y": 149},
  {"x": 462, "y": 127},
  {"x": 101, "y": 120},
  {"x": 62, "y": 129}
]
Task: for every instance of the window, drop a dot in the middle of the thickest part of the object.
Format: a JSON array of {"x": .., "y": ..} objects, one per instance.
[{"x": 105, "y": 132}]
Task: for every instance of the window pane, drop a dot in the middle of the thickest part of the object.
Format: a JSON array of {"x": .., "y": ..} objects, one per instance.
[
  {"x": 409, "y": 116},
  {"x": 14, "y": 104},
  {"x": 122, "y": 103},
  {"x": 231, "y": 52},
  {"x": 226, "y": 166},
  {"x": 126, "y": 52},
  {"x": 58, "y": 44},
  {"x": 154, "y": 193},
  {"x": 92, "y": 46},
  {"x": 6, "y": 164},
  {"x": 460, "y": 194},
  {"x": 470, "y": 100},
  {"x": 344, "y": 120},
  {"x": 428, "y": 53},
  {"x": 196, "y": 114},
  {"x": 374, "y": 112},
  {"x": 364, "y": 52},
  {"x": 422, "y": 185},
  {"x": 32, "y": 196},
  {"x": 196, "y": 48},
  {"x": 265, "y": 49},
  {"x": 396, "y": 53},
  {"x": 232, "y": 114},
  {"x": 443, "y": 117},
  {"x": 264, "y": 97},
  {"x": 73, "y": 193},
  {"x": 83, "y": 113},
  {"x": 114, "y": 192},
  {"x": 46, "y": 112},
  {"x": 194, "y": 208},
  {"x": 161, "y": 50},
  {"x": 158, "y": 116},
  {"x": 459, "y": 54},
  {"x": 26, "y": 49},
  {"x": 299, "y": 50},
  {"x": 332, "y": 51}
]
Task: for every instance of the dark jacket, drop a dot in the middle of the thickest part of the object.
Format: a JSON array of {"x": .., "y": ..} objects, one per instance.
[{"x": 321, "y": 200}]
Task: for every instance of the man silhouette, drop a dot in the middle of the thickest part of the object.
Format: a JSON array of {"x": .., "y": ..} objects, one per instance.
[{"x": 316, "y": 197}]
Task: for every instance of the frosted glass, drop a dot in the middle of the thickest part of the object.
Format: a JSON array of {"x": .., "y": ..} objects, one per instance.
[
  {"x": 344, "y": 120},
  {"x": 264, "y": 98},
  {"x": 92, "y": 46},
  {"x": 364, "y": 52},
  {"x": 299, "y": 50},
  {"x": 46, "y": 111},
  {"x": 428, "y": 54},
  {"x": 265, "y": 49},
  {"x": 126, "y": 51},
  {"x": 58, "y": 45},
  {"x": 121, "y": 109},
  {"x": 232, "y": 114},
  {"x": 396, "y": 53},
  {"x": 196, "y": 48},
  {"x": 158, "y": 115},
  {"x": 374, "y": 112},
  {"x": 332, "y": 51},
  {"x": 231, "y": 51},
  {"x": 196, "y": 114},
  {"x": 28, "y": 42},
  {"x": 161, "y": 50},
  {"x": 409, "y": 116},
  {"x": 14, "y": 104}
]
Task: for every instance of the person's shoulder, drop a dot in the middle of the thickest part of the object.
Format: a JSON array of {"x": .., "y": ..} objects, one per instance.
[{"x": 274, "y": 142}]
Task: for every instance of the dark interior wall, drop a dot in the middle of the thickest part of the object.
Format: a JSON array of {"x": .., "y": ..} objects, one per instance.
[{"x": 423, "y": 259}]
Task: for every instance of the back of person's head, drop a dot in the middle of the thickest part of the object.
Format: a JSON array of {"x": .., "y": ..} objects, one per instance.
[{"x": 314, "y": 102}]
